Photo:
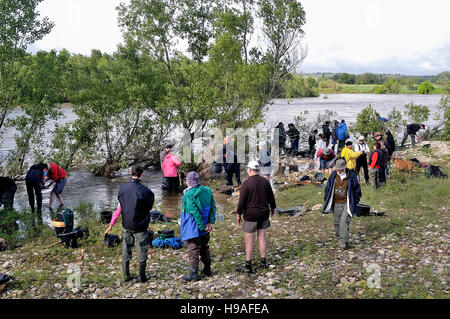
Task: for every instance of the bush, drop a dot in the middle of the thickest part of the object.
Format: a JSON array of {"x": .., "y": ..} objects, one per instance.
[
  {"x": 425, "y": 88},
  {"x": 417, "y": 113}
]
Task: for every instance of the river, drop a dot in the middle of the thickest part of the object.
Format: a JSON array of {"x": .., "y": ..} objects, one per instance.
[{"x": 101, "y": 192}]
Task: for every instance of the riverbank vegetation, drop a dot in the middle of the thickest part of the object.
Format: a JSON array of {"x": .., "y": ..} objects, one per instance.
[
  {"x": 127, "y": 103},
  {"x": 381, "y": 83},
  {"x": 408, "y": 244}
]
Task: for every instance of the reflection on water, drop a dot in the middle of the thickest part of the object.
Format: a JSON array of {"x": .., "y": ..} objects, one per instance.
[{"x": 84, "y": 188}]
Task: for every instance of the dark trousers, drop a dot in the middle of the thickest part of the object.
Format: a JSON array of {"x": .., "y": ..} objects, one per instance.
[
  {"x": 7, "y": 200},
  {"x": 229, "y": 177},
  {"x": 173, "y": 184},
  {"x": 382, "y": 174},
  {"x": 198, "y": 247},
  {"x": 294, "y": 145},
  {"x": 35, "y": 188},
  {"x": 361, "y": 162},
  {"x": 129, "y": 238}
]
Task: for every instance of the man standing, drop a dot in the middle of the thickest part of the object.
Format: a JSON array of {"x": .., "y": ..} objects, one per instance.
[
  {"x": 411, "y": 130},
  {"x": 58, "y": 176},
  {"x": 232, "y": 167},
  {"x": 361, "y": 161},
  {"x": 136, "y": 201},
  {"x": 280, "y": 133},
  {"x": 294, "y": 136},
  {"x": 326, "y": 132},
  {"x": 170, "y": 172},
  {"x": 198, "y": 213},
  {"x": 334, "y": 134},
  {"x": 34, "y": 181},
  {"x": 350, "y": 156},
  {"x": 342, "y": 194},
  {"x": 256, "y": 201},
  {"x": 312, "y": 142},
  {"x": 7, "y": 190},
  {"x": 342, "y": 135}
]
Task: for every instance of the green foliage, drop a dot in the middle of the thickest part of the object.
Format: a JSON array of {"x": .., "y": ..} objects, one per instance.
[
  {"x": 298, "y": 87},
  {"x": 346, "y": 78},
  {"x": 369, "y": 78},
  {"x": 395, "y": 124},
  {"x": 425, "y": 88},
  {"x": 416, "y": 113},
  {"x": 20, "y": 26},
  {"x": 390, "y": 87},
  {"x": 305, "y": 127},
  {"x": 367, "y": 122},
  {"x": 39, "y": 78}
]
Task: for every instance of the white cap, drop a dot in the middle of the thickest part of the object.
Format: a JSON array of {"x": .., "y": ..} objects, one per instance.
[
  {"x": 254, "y": 165},
  {"x": 361, "y": 138}
]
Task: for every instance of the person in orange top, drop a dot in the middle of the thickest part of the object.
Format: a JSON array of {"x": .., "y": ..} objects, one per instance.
[{"x": 58, "y": 176}]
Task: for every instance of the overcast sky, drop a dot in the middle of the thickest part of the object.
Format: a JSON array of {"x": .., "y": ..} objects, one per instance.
[{"x": 356, "y": 36}]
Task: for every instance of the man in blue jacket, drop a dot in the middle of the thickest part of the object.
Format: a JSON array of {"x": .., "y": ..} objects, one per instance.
[
  {"x": 342, "y": 194},
  {"x": 197, "y": 216},
  {"x": 136, "y": 201},
  {"x": 342, "y": 135}
]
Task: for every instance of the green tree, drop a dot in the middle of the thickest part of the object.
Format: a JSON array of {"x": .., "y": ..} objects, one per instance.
[
  {"x": 425, "y": 88},
  {"x": 346, "y": 78},
  {"x": 282, "y": 23},
  {"x": 416, "y": 113},
  {"x": 39, "y": 78},
  {"x": 20, "y": 26},
  {"x": 395, "y": 122},
  {"x": 367, "y": 122}
]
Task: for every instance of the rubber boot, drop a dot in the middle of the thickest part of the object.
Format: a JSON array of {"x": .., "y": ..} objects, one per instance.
[
  {"x": 143, "y": 277},
  {"x": 126, "y": 271},
  {"x": 248, "y": 267},
  {"x": 207, "y": 270},
  {"x": 193, "y": 274},
  {"x": 264, "y": 264}
]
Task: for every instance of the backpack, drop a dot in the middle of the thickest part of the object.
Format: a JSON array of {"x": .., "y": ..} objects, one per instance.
[{"x": 341, "y": 132}]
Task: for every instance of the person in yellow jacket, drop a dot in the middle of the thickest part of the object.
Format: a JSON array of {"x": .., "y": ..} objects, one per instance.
[{"x": 350, "y": 156}]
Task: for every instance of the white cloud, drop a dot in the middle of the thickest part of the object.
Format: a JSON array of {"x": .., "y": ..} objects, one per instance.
[{"x": 342, "y": 36}]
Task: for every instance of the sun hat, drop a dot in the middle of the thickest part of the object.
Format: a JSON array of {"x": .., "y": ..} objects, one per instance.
[
  {"x": 326, "y": 151},
  {"x": 361, "y": 138},
  {"x": 340, "y": 164},
  {"x": 376, "y": 134}
]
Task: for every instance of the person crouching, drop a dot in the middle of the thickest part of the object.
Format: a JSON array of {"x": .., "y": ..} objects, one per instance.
[
  {"x": 197, "y": 216},
  {"x": 342, "y": 194}
]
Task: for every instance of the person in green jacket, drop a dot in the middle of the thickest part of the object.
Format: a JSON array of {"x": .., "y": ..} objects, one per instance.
[{"x": 197, "y": 216}]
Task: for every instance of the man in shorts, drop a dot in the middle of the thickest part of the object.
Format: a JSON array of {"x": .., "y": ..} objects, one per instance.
[{"x": 256, "y": 202}]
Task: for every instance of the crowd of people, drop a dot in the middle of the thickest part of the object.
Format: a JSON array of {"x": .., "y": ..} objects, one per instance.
[{"x": 332, "y": 151}]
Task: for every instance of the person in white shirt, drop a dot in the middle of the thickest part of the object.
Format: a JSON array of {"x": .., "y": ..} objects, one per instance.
[{"x": 361, "y": 161}]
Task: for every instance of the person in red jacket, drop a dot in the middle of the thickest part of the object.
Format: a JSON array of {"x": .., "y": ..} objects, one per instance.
[
  {"x": 170, "y": 170},
  {"x": 58, "y": 176},
  {"x": 375, "y": 163}
]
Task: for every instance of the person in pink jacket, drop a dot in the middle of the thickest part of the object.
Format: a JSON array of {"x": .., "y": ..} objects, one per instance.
[{"x": 170, "y": 172}]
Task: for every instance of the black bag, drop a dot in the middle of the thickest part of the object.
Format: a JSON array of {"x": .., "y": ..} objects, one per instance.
[
  {"x": 111, "y": 240},
  {"x": 5, "y": 278},
  {"x": 106, "y": 216},
  {"x": 362, "y": 210},
  {"x": 216, "y": 168}
]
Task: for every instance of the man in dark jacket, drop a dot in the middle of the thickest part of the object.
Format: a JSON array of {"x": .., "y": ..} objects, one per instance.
[
  {"x": 7, "y": 190},
  {"x": 342, "y": 194},
  {"x": 411, "y": 130},
  {"x": 35, "y": 180},
  {"x": 312, "y": 142},
  {"x": 294, "y": 136},
  {"x": 232, "y": 167},
  {"x": 326, "y": 132},
  {"x": 390, "y": 143},
  {"x": 280, "y": 133},
  {"x": 256, "y": 202},
  {"x": 136, "y": 201}
]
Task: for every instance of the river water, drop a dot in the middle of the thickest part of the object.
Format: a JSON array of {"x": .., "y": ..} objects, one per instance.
[{"x": 101, "y": 192}]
